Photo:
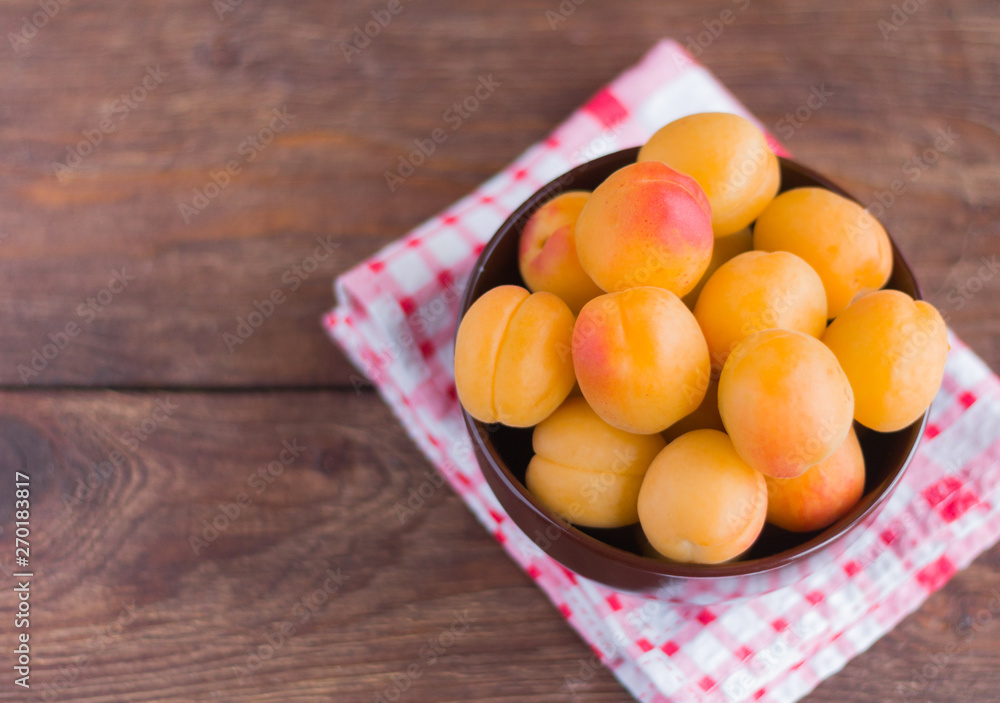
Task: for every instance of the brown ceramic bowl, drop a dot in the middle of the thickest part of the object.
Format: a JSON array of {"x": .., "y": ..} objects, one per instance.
[{"x": 613, "y": 557}]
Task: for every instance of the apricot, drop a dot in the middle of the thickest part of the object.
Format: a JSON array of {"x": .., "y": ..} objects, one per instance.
[
  {"x": 729, "y": 157},
  {"x": 846, "y": 246},
  {"x": 784, "y": 401},
  {"x": 547, "y": 255},
  {"x": 700, "y": 502},
  {"x": 513, "y": 361},
  {"x": 893, "y": 350},
  {"x": 823, "y": 494},
  {"x": 640, "y": 358},
  {"x": 646, "y": 224},
  {"x": 587, "y": 471},
  {"x": 724, "y": 249},
  {"x": 757, "y": 291}
]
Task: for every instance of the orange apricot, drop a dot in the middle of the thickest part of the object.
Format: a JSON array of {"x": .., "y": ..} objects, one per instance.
[
  {"x": 893, "y": 350},
  {"x": 513, "y": 360},
  {"x": 640, "y": 359},
  {"x": 700, "y": 502},
  {"x": 646, "y": 224},
  {"x": 785, "y": 402},
  {"x": 587, "y": 471}
]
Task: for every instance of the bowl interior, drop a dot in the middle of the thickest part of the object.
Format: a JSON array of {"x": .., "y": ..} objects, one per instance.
[{"x": 508, "y": 449}]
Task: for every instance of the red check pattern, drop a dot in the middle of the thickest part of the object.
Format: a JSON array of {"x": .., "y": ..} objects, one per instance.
[{"x": 396, "y": 317}]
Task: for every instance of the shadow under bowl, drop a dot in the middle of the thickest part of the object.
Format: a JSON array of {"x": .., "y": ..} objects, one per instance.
[{"x": 613, "y": 556}]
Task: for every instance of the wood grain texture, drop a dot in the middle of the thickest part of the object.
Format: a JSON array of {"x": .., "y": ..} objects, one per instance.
[{"x": 117, "y": 577}]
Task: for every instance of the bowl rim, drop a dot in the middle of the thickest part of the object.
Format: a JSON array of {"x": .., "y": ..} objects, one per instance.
[{"x": 861, "y": 512}]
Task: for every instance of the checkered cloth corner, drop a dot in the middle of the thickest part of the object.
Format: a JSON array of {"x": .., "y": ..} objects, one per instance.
[{"x": 396, "y": 317}]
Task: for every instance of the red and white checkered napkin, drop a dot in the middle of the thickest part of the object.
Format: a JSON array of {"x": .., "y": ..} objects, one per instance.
[{"x": 396, "y": 318}]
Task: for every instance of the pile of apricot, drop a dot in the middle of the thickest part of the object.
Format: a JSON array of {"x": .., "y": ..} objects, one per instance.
[{"x": 693, "y": 349}]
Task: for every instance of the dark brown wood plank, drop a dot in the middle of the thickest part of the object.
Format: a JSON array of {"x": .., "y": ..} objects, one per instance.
[
  {"x": 323, "y": 174},
  {"x": 125, "y": 546}
]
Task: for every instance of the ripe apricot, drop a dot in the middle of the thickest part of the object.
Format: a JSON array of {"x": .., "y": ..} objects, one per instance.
[
  {"x": 893, "y": 350},
  {"x": 513, "y": 362},
  {"x": 784, "y": 401},
  {"x": 646, "y": 224},
  {"x": 729, "y": 157},
  {"x": 547, "y": 255},
  {"x": 757, "y": 291},
  {"x": 587, "y": 471},
  {"x": 700, "y": 502},
  {"x": 823, "y": 494},
  {"x": 640, "y": 358},
  {"x": 846, "y": 246}
]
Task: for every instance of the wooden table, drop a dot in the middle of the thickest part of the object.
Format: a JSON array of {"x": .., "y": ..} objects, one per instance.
[{"x": 212, "y": 152}]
